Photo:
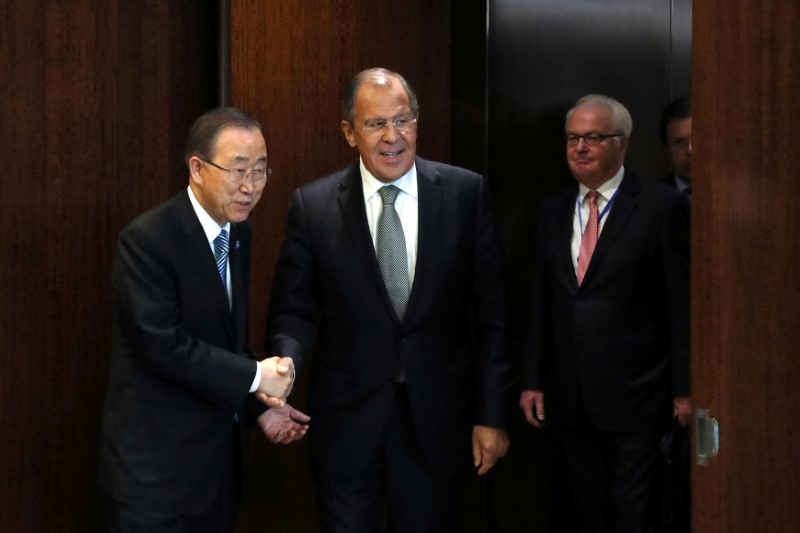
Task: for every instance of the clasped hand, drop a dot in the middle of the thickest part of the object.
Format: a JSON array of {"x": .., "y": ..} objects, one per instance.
[{"x": 277, "y": 379}]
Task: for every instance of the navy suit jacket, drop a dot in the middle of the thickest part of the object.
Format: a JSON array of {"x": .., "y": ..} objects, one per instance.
[
  {"x": 178, "y": 377},
  {"x": 451, "y": 343},
  {"x": 620, "y": 341}
]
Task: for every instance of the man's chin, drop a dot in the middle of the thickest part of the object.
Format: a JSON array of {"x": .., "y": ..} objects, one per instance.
[{"x": 238, "y": 216}]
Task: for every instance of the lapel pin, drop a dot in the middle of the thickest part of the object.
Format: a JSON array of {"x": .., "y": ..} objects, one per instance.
[{"x": 237, "y": 245}]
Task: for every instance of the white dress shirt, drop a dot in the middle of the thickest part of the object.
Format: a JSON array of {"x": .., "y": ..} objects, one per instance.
[
  {"x": 680, "y": 183},
  {"x": 405, "y": 204},
  {"x": 212, "y": 229}
]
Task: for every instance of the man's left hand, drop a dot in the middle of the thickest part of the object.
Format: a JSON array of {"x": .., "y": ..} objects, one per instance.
[
  {"x": 683, "y": 410},
  {"x": 283, "y": 425}
]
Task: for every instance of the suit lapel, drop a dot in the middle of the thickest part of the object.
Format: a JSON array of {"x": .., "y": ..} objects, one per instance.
[
  {"x": 429, "y": 210},
  {"x": 624, "y": 205},
  {"x": 354, "y": 214},
  {"x": 238, "y": 286},
  {"x": 351, "y": 202},
  {"x": 201, "y": 262},
  {"x": 564, "y": 214}
]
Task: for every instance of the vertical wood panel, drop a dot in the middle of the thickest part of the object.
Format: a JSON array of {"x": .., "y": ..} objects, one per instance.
[
  {"x": 745, "y": 262},
  {"x": 289, "y": 63},
  {"x": 97, "y": 98}
]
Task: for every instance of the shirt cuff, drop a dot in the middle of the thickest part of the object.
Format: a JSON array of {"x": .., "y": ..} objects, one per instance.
[{"x": 257, "y": 380}]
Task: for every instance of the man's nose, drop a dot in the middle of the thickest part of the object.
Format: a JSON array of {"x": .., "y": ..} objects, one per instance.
[
  {"x": 247, "y": 186},
  {"x": 390, "y": 132}
]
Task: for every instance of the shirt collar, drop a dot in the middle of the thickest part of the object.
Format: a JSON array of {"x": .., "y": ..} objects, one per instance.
[
  {"x": 680, "y": 183},
  {"x": 210, "y": 226},
  {"x": 406, "y": 183},
  {"x": 607, "y": 189}
]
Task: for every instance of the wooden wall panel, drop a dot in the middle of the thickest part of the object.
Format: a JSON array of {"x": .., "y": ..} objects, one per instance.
[
  {"x": 97, "y": 98},
  {"x": 289, "y": 63},
  {"x": 746, "y": 277}
]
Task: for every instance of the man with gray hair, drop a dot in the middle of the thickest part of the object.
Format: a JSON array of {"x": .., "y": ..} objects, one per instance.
[
  {"x": 610, "y": 321},
  {"x": 391, "y": 269}
]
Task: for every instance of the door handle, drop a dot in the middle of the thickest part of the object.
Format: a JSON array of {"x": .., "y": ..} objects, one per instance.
[{"x": 706, "y": 436}]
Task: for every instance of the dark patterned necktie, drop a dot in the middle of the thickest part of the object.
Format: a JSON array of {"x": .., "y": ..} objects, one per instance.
[
  {"x": 221, "y": 256},
  {"x": 392, "y": 256}
]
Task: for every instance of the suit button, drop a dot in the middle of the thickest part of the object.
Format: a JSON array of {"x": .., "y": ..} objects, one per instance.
[{"x": 236, "y": 417}]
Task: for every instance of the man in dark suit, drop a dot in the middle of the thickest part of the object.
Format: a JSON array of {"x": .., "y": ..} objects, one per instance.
[
  {"x": 180, "y": 380},
  {"x": 610, "y": 319},
  {"x": 411, "y": 363},
  {"x": 676, "y": 135}
]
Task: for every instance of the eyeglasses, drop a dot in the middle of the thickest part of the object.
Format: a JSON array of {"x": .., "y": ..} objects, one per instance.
[
  {"x": 238, "y": 175},
  {"x": 403, "y": 124},
  {"x": 591, "y": 139},
  {"x": 680, "y": 144}
]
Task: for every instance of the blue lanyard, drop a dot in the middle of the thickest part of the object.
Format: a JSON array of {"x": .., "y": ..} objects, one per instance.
[{"x": 600, "y": 216}]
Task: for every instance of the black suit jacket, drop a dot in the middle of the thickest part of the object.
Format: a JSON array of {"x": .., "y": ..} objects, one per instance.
[
  {"x": 451, "y": 344},
  {"x": 178, "y": 376},
  {"x": 620, "y": 341},
  {"x": 669, "y": 179}
]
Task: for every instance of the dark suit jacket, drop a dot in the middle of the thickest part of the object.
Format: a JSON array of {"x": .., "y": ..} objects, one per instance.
[
  {"x": 451, "y": 343},
  {"x": 669, "y": 179},
  {"x": 620, "y": 341},
  {"x": 177, "y": 374}
]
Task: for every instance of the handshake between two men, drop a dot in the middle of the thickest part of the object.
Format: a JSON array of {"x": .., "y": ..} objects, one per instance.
[{"x": 281, "y": 423}]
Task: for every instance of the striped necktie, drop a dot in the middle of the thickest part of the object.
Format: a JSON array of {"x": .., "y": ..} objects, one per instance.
[{"x": 221, "y": 256}]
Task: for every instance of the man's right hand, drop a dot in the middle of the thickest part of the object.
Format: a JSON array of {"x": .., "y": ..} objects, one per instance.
[
  {"x": 532, "y": 404},
  {"x": 277, "y": 378}
]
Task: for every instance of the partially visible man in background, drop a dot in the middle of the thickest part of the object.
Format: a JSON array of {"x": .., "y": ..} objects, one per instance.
[
  {"x": 676, "y": 135},
  {"x": 180, "y": 379}
]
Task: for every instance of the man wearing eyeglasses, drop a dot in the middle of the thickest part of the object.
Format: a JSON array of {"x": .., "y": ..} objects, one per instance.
[
  {"x": 676, "y": 134},
  {"x": 392, "y": 268},
  {"x": 610, "y": 322},
  {"x": 180, "y": 379}
]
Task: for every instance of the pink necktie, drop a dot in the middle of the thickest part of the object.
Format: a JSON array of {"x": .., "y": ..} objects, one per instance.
[{"x": 589, "y": 238}]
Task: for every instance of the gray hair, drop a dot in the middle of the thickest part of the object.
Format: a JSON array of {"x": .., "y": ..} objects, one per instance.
[
  {"x": 373, "y": 76},
  {"x": 619, "y": 114}
]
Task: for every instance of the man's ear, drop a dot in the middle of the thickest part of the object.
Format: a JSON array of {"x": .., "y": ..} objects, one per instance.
[
  {"x": 195, "y": 165},
  {"x": 349, "y": 133},
  {"x": 623, "y": 144}
]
